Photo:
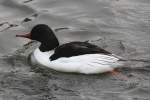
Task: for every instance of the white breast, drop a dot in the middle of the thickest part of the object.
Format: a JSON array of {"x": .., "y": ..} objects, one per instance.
[{"x": 87, "y": 64}]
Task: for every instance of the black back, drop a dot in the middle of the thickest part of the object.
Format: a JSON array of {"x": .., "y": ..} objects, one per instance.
[{"x": 76, "y": 48}]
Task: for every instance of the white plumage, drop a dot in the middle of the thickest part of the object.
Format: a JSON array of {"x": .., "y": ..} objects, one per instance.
[{"x": 87, "y": 63}]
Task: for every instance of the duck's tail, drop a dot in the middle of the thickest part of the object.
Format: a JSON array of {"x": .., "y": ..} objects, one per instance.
[{"x": 135, "y": 60}]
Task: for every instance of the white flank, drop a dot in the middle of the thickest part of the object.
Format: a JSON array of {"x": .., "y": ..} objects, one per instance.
[{"x": 87, "y": 64}]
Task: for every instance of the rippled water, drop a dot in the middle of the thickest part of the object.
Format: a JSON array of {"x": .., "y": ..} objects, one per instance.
[{"x": 120, "y": 26}]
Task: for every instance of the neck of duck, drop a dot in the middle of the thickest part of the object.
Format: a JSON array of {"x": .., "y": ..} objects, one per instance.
[{"x": 48, "y": 45}]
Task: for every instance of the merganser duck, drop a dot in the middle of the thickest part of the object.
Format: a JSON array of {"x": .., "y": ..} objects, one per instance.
[{"x": 78, "y": 57}]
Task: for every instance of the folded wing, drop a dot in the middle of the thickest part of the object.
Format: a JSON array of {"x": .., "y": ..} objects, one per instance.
[{"x": 87, "y": 64}]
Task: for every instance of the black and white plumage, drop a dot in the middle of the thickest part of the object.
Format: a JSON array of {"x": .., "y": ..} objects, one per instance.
[
  {"x": 80, "y": 57},
  {"x": 76, "y": 49}
]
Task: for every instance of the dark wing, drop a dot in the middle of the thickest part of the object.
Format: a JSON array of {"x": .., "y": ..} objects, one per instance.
[{"x": 76, "y": 48}]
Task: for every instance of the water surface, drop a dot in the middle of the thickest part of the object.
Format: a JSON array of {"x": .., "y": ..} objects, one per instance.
[{"x": 119, "y": 26}]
